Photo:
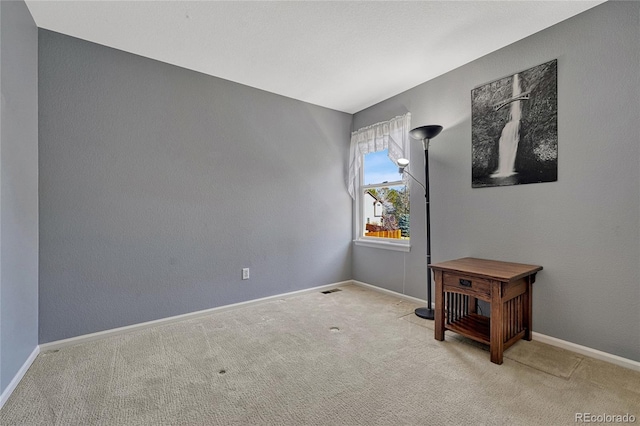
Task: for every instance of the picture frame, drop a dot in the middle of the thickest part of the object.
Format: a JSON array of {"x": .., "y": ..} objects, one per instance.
[{"x": 514, "y": 128}]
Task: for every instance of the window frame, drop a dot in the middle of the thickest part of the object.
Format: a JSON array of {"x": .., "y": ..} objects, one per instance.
[{"x": 359, "y": 238}]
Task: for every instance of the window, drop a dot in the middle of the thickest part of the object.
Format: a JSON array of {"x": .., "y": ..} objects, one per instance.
[
  {"x": 384, "y": 211},
  {"x": 380, "y": 195}
]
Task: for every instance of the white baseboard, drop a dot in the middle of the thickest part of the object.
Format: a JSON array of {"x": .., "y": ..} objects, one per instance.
[
  {"x": 19, "y": 375},
  {"x": 58, "y": 344},
  {"x": 391, "y": 293},
  {"x": 559, "y": 343},
  {"x": 587, "y": 351}
]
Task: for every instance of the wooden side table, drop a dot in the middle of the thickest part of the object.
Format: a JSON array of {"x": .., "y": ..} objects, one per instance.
[{"x": 506, "y": 286}]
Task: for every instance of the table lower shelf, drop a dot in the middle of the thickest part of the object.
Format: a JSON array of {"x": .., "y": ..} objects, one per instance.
[{"x": 473, "y": 326}]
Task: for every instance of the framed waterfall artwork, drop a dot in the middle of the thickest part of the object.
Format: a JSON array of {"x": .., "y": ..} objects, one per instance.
[{"x": 514, "y": 128}]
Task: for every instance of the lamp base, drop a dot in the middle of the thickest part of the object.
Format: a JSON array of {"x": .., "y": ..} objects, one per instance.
[{"x": 425, "y": 313}]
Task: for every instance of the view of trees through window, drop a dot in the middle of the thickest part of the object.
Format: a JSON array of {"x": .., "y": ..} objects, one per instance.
[{"x": 386, "y": 198}]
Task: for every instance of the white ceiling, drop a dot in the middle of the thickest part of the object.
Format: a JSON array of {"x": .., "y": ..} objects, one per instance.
[{"x": 344, "y": 55}]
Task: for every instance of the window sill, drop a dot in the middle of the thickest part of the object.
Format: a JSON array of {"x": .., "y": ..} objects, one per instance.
[{"x": 386, "y": 245}]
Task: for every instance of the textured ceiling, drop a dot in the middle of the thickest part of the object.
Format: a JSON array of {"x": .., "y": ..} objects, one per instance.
[{"x": 338, "y": 54}]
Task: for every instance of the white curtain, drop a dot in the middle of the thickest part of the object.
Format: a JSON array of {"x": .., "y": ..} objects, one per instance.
[{"x": 392, "y": 135}]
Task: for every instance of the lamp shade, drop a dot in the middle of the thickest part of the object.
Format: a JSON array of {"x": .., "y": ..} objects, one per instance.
[{"x": 425, "y": 132}]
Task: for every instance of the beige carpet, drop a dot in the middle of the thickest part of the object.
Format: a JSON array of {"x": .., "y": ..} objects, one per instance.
[{"x": 353, "y": 357}]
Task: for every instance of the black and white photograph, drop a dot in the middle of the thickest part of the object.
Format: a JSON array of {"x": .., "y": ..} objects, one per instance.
[{"x": 514, "y": 128}]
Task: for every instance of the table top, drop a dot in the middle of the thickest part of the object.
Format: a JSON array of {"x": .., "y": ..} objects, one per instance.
[{"x": 502, "y": 271}]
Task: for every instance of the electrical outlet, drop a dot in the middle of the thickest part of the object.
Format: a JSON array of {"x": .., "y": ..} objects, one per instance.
[{"x": 245, "y": 273}]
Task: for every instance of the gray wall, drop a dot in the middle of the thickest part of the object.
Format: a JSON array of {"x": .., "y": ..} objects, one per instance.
[
  {"x": 18, "y": 188},
  {"x": 158, "y": 184},
  {"x": 584, "y": 228}
]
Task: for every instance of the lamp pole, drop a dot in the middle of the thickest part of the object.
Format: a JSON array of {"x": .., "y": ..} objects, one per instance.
[{"x": 426, "y": 133}]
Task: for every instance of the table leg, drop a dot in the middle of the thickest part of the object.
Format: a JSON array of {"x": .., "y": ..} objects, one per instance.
[
  {"x": 439, "y": 314},
  {"x": 528, "y": 309},
  {"x": 497, "y": 335}
]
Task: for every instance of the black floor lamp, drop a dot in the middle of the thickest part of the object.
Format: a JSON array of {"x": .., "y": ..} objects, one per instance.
[{"x": 425, "y": 134}]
